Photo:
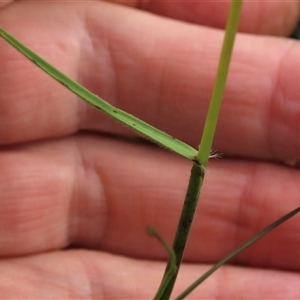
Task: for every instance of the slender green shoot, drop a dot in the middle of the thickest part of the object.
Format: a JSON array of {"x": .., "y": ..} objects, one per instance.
[
  {"x": 237, "y": 251},
  {"x": 172, "y": 258},
  {"x": 125, "y": 118},
  {"x": 220, "y": 82}
]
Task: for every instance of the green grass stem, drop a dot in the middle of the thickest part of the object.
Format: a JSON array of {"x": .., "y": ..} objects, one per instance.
[
  {"x": 182, "y": 233},
  {"x": 220, "y": 82},
  {"x": 198, "y": 168}
]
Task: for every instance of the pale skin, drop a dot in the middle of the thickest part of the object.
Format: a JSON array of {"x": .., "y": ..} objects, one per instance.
[{"x": 74, "y": 206}]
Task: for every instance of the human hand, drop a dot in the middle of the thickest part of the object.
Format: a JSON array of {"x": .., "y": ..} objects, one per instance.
[{"x": 75, "y": 201}]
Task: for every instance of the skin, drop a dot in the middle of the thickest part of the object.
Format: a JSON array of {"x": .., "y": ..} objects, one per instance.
[{"x": 77, "y": 191}]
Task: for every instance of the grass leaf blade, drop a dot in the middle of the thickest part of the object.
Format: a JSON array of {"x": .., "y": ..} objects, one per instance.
[
  {"x": 237, "y": 251},
  {"x": 125, "y": 118}
]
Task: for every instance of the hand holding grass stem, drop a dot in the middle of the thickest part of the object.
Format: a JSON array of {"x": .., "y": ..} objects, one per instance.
[{"x": 199, "y": 158}]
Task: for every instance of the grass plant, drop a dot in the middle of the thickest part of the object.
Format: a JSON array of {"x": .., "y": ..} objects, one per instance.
[{"x": 198, "y": 157}]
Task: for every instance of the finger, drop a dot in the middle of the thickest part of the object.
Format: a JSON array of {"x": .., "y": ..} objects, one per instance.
[
  {"x": 98, "y": 275},
  {"x": 101, "y": 193},
  {"x": 4, "y": 3},
  {"x": 262, "y": 17},
  {"x": 260, "y": 108}
]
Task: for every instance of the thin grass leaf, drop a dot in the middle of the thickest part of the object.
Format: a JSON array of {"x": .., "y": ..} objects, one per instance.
[
  {"x": 237, "y": 251},
  {"x": 172, "y": 260},
  {"x": 125, "y": 118}
]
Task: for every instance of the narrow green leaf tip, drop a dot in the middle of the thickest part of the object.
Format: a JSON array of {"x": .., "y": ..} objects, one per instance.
[{"x": 172, "y": 269}]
